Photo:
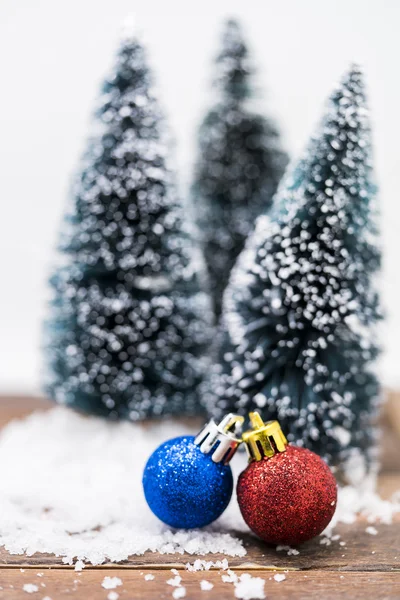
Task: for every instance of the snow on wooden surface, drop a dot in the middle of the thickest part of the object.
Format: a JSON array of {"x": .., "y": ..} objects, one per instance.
[{"x": 349, "y": 557}]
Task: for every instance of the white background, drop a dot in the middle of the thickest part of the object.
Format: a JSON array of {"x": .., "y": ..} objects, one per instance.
[{"x": 53, "y": 55}]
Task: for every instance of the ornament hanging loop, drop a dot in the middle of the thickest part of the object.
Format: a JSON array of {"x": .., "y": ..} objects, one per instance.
[
  {"x": 264, "y": 439},
  {"x": 256, "y": 420},
  {"x": 220, "y": 439}
]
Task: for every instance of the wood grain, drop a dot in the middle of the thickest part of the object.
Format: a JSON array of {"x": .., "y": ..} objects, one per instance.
[
  {"x": 354, "y": 566},
  {"x": 317, "y": 585}
]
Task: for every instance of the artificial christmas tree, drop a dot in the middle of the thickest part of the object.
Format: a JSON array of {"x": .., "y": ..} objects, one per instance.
[
  {"x": 240, "y": 164},
  {"x": 129, "y": 326},
  {"x": 298, "y": 337}
]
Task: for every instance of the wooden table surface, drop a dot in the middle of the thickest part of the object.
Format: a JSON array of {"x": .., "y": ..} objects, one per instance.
[{"x": 365, "y": 566}]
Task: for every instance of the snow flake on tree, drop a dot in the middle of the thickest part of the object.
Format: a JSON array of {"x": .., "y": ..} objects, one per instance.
[
  {"x": 130, "y": 326},
  {"x": 239, "y": 167},
  {"x": 298, "y": 337}
]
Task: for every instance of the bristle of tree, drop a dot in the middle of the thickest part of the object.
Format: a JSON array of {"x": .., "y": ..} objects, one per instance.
[
  {"x": 129, "y": 326},
  {"x": 298, "y": 338},
  {"x": 239, "y": 166}
]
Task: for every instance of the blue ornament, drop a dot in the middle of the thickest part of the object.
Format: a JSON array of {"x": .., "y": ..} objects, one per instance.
[{"x": 187, "y": 481}]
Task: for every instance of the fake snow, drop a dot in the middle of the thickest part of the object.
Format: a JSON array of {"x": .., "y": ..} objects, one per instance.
[
  {"x": 110, "y": 583},
  {"x": 175, "y": 581},
  {"x": 231, "y": 577},
  {"x": 149, "y": 577},
  {"x": 113, "y": 596},
  {"x": 371, "y": 530},
  {"x": 179, "y": 592},
  {"x": 205, "y": 585},
  {"x": 71, "y": 486},
  {"x": 290, "y": 551},
  {"x": 30, "y": 588},
  {"x": 249, "y": 588},
  {"x": 279, "y": 577},
  {"x": 205, "y": 565},
  {"x": 361, "y": 499}
]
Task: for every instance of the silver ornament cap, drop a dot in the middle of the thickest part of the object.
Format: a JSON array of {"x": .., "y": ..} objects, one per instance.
[{"x": 220, "y": 440}]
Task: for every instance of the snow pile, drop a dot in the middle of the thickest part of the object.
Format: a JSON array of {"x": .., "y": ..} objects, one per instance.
[
  {"x": 71, "y": 486},
  {"x": 361, "y": 500}
]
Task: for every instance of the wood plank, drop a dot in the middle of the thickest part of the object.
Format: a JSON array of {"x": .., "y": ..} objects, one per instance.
[
  {"x": 63, "y": 585},
  {"x": 361, "y": 552},
  {"x": 17, "y": 407}
]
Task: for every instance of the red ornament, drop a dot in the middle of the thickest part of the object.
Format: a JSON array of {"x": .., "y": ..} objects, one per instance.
[{"x": 287, "y": 495}]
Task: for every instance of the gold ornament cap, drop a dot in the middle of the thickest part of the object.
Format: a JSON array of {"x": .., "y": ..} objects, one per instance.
[{"x": 264, "y": 440}]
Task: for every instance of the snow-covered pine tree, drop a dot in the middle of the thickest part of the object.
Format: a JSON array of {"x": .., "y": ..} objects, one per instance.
[
  {"x": 239, "y": 165},
  {"x": 129, "y": 326},
  {"x": 298, "y": 339}
]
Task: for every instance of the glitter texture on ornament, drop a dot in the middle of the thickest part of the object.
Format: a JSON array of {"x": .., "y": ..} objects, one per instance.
[
  {"x": 287, "y": 495},
  {"x": 188, "y": 481},
  {"x": 185, "y": 488}
]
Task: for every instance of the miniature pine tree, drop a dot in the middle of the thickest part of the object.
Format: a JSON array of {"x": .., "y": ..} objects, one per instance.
[
  {"x": 239, "y": 167},
  {"x": 129, "y": 326},
  {"x": 298, "y": 338}
]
